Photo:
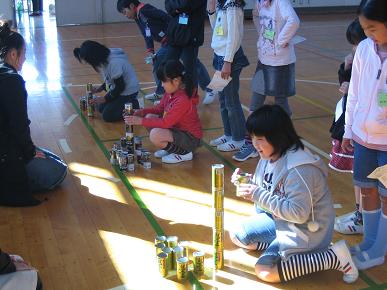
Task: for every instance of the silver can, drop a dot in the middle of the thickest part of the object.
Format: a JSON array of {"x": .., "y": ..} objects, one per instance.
[
  {"x": 146, "y": 160},
  {"x": 131, "y": 165}
]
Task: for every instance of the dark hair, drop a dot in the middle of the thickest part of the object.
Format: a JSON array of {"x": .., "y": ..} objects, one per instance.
[
  {"x": 373, "y": 10},
  {"x": 272, "y": 122},
  {"x": 121, "y": 4},
  {"x": 172, "y": 69},
  {"x": 9, "y": 40},
  {"x": 355, "y": 33},
  {"x": 92, "y": 52},
  {"x": 241, "y": 3}
]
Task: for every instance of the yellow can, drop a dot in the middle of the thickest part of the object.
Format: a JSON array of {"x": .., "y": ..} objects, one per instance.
[
  {"x": 159, "y": 247},
  {"x": 218, "y": 242},
  {"x": 182, "y": 269},
  {"x": 198, "y": 262},
  {"x": 185, "y": 245},
  {"x": 217, "y": 176},
  {"x": 163, "y": 264},
  {"x": 160, "y": 239},
  {"x": 172, "y": 241},
  {"x": 170, "y": 259},
  {"x": 218, "y": 220},
  {"x": 218, "y": 196},
  {"x": 89, "y": 87}
]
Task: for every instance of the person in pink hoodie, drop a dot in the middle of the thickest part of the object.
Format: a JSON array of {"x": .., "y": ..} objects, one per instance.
[{"x": 174, "y": 123}]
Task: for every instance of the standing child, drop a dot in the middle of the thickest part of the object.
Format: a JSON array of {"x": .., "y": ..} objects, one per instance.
[
  {"x": 294, "y": 220},
  {"x": 118, "y": 75},
  {"x": 174, "y": 123},
  {"x": 276, "y": 23},
  {"x": 226, "y": 17},
  {"x": 366, "y": 129},
  {"x": 153, "y": 24},
  {"x": 351, "y": 223}
]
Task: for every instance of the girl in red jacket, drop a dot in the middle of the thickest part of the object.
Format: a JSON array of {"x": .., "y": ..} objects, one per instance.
[{"x": 174, "y": 123}]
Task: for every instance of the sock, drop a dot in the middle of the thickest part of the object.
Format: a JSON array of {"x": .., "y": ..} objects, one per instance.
[
  {"x": 304, "y": 264},
  {"x": 173, "y": 148},
  {"x": 262, "y": 246},
  {"x": 378, "y": 248},
  {"x": 370, "y": 224}
]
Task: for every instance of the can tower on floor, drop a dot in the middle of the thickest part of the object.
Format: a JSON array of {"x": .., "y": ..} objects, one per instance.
[{"x": 218, "y": 210}]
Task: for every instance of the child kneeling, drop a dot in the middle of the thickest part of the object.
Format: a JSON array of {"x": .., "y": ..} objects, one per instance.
[
  {"x": 295, "y": 216},
  {"x": 174, "y": 122}
]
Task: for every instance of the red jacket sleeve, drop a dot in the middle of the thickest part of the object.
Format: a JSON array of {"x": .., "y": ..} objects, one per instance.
[
  {"x": 178, "y": 109},
  {"x": 158, "y": 109}
]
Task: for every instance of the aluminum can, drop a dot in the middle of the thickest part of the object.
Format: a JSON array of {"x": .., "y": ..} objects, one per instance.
[
  {"x": 131, "y": 164},
  {"x": 170, "y": 259},
  {"x": 185, "y": 245},
  {"x": 218, "y": 238},
  {"x": 242, "y": 178},
  {"x": 178, "y": 252},
  {"x": 123, "y": 160},
  {"x": 182, "y": 268},
  {"x": 172, "y": 241},
  {"x": 90, "y": 106},
  {"x": 163, "y": 265},
  {"x": 83, "y": 104},
  {"x": 159, "y": 248},
  {"x": 198, "y": 262},
  {"x": 218, "y": 220},
  {"x": 146, "y": 160},
  {"x": 161, "y": 239},
  {"x": 218, "y": 176},
  {"x": 113, "y": 156},
  {"x": 89, "y": 88}
]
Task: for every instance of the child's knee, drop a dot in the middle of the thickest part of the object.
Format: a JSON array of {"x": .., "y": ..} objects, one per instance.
[{"x": 267, "y": 273}]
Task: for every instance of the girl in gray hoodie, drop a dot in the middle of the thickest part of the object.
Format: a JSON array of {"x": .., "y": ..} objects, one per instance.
[{"x": 295, "y": 216}]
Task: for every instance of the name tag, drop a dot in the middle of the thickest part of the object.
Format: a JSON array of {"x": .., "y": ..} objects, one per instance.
[
  {"x": 161, "y": 34},
  {"x": 269, "y": 34},
  {"x": 183, "y": 19},
  {"x": 219, "y": 30},
  {"x": 382, "y": 99},
  {"x": 147, "y": 32}
]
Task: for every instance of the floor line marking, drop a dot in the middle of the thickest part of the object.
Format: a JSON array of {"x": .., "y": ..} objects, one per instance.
[
  {"x": 70, "y": 119},
  {"x": 65, "y": 146}
]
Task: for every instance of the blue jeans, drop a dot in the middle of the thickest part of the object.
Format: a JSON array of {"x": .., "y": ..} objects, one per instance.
[
  {"x": 365, "y": 161},
  {"x": 260, "y": 228},
  {"x": 230, "y": 105},
  {"x": 201, "y": 71}
]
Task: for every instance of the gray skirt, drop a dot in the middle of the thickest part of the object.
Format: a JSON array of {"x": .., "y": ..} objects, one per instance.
[{"x": 276, "y": 81}]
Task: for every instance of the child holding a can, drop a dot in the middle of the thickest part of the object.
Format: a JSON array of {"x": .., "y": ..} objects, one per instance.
[
  {"x": 294, "y": 211},
  {"x": 120, "y": 80},
  {"x": 174, "y": 123}
]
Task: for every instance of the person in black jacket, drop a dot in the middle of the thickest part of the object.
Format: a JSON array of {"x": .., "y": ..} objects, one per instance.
[
  {"x": 153, "y": 24},
  {"x": 24, "y": 168},
  {"x": 186, "y": 32}
]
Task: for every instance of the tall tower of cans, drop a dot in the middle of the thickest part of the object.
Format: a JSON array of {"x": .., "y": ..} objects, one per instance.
[
  {"x": 218, "y": 227},
  {"x": 89, "y": 99}
]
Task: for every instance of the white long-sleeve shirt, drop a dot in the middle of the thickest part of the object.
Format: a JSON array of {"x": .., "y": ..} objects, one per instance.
[
  {"x": 227, "y": 25},
  {"x": 280, "y": 18},
  {"x": 365, "y": 119}
]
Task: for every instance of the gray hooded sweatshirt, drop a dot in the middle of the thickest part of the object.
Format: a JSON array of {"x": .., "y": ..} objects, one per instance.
[
  {"x": 118, "y": 65},
  {"x": 290, "y": 204}
]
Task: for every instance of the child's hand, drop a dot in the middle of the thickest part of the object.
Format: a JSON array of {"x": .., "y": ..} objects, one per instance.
[
  {"x": 97, "y": 100},
  {"x": 344, "y": 87},
  {"x": 226, "y": 70},
  {"x": 246, "y": 190},
  {"x": 346, "y": 145},
  {"x": 138, "y": 113},
  {"x": 133, "y": 120},
  {"x": 234, "y": 176}
]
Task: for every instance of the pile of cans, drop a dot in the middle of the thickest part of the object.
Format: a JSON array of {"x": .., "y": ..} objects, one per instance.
[
  {"x": 173, "y": 255},
  {"x": 85, "y": 102},
  {"x": 127, "y": 152}
]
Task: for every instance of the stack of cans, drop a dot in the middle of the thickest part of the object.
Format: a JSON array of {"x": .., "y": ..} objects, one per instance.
[
  {"x": 89, "y": 99},
  {"x": 125, "y": 152},
  {"x": 218, "y": 210},
  {"x": 174, "y": 255},
  {"x": 242, "y": 178}
]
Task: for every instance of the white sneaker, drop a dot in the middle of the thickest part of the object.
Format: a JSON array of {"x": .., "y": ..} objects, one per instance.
[
  {"x": 351, "y": 227},
  {"x": 230, "y": 146},
  {"x": 152, "y": 96},
  {"x": 176, "y": 158},
  {"x": 221, "y": 140},
  {"x": 160, "y": 153},
  {"x": 210, "y": 97},
  {"x": 345, "y": 217},
  {"x": 348, "y": 267}
]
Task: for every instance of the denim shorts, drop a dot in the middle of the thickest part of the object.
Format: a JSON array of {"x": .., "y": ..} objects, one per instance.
[
  {"x": 260, "y": 228},
  {"x": 365, "y": 162}
]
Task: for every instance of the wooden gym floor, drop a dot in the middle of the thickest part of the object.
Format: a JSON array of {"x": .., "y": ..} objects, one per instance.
[{"x": 97, "y": 230}]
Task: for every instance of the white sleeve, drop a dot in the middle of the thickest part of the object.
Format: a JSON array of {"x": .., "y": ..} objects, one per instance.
[
  {"x": 292, "y": 23},
  {"x": 235, "y": 32},
  {"x": 353, "y": 96}
]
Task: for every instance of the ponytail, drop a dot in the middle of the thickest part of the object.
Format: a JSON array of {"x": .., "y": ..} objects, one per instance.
[
  {"x": 172, "y": 69},
  {"x": 9, "y": 40}
]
